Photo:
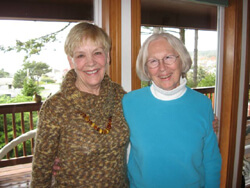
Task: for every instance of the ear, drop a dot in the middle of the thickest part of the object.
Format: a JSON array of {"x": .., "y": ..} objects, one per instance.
[
  {"x": 108, "y": 58},
  {"x": 71, "y": 63},
  {"x": 147, "y": 73}
]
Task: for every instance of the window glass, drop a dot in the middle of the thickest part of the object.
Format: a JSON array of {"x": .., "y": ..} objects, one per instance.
[
  {"x": 187, "y": 20},
  {"x": 246, "y": 159},
  {"x": 26, "y": 45}
]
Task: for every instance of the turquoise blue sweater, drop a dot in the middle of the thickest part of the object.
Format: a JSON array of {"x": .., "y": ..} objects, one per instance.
[{"x": 172, "y": 142}]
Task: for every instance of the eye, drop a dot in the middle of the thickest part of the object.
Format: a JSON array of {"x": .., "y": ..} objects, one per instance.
[
  {"x": 80, "y": 56},
  {"x": 97, "y": 53},
  {"x": 167, "y": 57},
  {"x": 153, "y": 61}
]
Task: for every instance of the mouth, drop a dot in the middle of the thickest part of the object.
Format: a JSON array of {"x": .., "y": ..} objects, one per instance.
[
  {"x": 165, "y": 76},
  {"x": 91, "y": 72}
]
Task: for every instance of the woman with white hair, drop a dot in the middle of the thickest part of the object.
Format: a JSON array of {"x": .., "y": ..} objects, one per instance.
[{"x": 171, "y": 134}]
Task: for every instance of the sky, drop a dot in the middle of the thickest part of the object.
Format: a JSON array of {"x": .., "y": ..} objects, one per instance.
[
  {"x": 207, "y": 40},
  {"x": 53, "y": 54}
]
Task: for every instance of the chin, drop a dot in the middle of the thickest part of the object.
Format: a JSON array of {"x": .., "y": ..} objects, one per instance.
[{"x": 168, "y": 88}]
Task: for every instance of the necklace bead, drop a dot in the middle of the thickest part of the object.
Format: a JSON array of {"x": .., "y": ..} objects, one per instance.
[{"x": 93, "y": 125}]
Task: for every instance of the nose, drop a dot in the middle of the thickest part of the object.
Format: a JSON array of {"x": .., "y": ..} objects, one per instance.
[
  {"x": 162, "y": 67},
  {"x": 90, "y": 60}
]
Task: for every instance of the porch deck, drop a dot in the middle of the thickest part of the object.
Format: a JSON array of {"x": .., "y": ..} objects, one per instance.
[{"x": 15, "y": 176}]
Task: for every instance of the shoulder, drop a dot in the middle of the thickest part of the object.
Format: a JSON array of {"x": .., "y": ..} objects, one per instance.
[
  {"x": 54, "y": 103},
  {"x": 136, "y": 95},
  {"x": 118, "y": 88},
  {"x": 117, "y": 91},
  {"x": 200, "y": 102},
  {"x": 197, "y": 95}
]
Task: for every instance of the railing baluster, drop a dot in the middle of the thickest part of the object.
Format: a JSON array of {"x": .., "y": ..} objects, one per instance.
[
  {"x": 212, "y": 98},
  {"x": 31, "y": 128},
  {"x": 23, "y": 131},
  {"x": 14, "y": 131},
  {"x": 11, "y": 118},
  {"x": 6, "y": 133}
]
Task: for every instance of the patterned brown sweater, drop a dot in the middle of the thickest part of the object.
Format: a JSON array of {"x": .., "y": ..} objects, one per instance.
[{"x": 88, "y": 158}]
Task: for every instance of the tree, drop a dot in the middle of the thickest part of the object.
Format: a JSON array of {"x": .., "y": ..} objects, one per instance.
[
  {"x": 209, "y": 80},
  {"x": 201, "y": 74},
  {"x": 33, "y": 46},
  {"x": 47, "y": 79},
  {"x": 33, "y": 70},
  {"x": 19, "y": 78},
  {"x": 150, "y": 30},
  {"x": 36, "y": 69},
  {"x": 195, "y": 64},
  {"x": 4, "y": 74},
  {"x": 182, "y": 35},
  {"x": 29, "y": 87},
  {"x": 18, "y": 120}
]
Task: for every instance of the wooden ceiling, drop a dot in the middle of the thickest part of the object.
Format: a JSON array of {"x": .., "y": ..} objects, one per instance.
[
  {"x": 178, "y": 13},
  {"x": 70, "y": 10},
  {"x": 167, "y": 13}
]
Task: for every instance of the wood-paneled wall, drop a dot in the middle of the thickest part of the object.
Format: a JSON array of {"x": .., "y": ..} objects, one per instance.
[
  {"x": 136, "y": 40},
  {"x": 230, "y": 89},
  {"x": 111, "y": 23}
]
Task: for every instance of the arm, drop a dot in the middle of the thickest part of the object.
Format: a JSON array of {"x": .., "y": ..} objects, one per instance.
[
  {"x": 56, "y": 166},
  {"x": 216, "y": 124},
  {"x": 212, "y": 157},
  {"x": 47, "y": 139}
]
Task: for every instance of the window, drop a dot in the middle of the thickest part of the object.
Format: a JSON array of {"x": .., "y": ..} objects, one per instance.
[
  {"x": 36, "y": 20},
  {"x": 15, "y": 37}
]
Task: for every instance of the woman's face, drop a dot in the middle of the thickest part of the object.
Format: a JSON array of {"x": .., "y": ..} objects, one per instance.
[
  {"x": 166, "y": 77},
  {"x": 89, "y": 61}
]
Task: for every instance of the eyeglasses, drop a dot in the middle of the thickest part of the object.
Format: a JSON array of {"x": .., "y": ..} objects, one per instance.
[{"x": 167, "y": 60}]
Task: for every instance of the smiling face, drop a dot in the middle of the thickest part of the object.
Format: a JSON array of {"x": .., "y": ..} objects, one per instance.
[
  {"x": 89, "y": 61},
  {"x": 166, "y": 77}
]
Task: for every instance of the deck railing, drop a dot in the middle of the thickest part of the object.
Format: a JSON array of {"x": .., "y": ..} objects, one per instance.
[
  {"x": 28, "y": 113},
  {"x": 208, "y": 91},
  {"x": 16, "y": 119}
]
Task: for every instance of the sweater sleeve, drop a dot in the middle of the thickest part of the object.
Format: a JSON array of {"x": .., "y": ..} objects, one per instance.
[
  {"x": 212, "y": 157},
  {"x": 46, "y": 145}
]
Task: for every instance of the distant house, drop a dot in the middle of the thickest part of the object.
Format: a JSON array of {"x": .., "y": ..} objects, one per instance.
[
  {"x": 7, "y": 89},
  {"x": 6, "y": 82}
]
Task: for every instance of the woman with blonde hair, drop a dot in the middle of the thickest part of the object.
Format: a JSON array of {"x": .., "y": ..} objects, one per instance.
[{"x": 83, "y": 123}]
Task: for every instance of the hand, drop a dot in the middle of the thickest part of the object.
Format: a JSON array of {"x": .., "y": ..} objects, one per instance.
[
  {"x": 216, "y": 124},
  {"x": 56, "y": 166}
]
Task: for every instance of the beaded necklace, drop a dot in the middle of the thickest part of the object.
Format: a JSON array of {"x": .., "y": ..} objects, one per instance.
[
  {"x": 97, "y": 128},
  {"x": 109, "y": 102}
]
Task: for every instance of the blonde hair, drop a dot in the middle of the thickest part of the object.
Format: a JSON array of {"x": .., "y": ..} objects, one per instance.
[
  {"x": 177, "y": 44},
  {"x": 87, "y": 31}
]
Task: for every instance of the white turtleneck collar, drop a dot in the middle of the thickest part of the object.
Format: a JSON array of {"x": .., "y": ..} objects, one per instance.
[{"x": 165, "y": 95}]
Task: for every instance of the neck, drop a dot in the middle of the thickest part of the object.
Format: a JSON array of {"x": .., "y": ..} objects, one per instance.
[
  {"x": 166, "y": 95},
  {"x": 83, "y": 88}
]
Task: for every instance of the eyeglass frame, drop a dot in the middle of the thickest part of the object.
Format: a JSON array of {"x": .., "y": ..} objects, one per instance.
[{"x": 164, "y": 59}]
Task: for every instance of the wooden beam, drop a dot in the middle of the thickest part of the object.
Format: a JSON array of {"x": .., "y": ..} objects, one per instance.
[
  {"x": 230, "y": 89},
  {"x": 46, "y": 10},
  {"x": 245, "y": 104},
  {"x": 111, "y": 23},
  {"x": 179, "y": 14},
  {"x": 136, "y": 40}
]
